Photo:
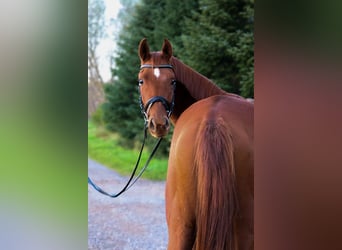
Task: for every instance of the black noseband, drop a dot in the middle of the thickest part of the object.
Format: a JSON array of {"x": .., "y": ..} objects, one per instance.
[
  {"x": 167, "y": 105},
  {"x": 155, "y": 99}
]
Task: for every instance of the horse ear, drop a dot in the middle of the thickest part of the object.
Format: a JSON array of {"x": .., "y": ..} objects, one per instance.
[
  {"x": 144, "y": 50},
  {"x": 167, "y": 49}
]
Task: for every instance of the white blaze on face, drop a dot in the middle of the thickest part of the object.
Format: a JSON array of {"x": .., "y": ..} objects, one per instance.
[{"x": 156, "y": 72}]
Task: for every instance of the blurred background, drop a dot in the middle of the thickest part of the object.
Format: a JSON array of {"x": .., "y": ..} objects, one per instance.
[{"x": 43, "y": 142}]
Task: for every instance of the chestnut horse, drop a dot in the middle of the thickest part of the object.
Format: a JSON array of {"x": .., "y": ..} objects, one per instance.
[{"x": 210, "y": 179}]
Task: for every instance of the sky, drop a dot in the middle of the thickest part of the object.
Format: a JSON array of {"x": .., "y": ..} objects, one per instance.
[{"x": 107, "y": 46}]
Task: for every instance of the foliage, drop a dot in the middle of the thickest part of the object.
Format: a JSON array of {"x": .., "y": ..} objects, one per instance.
[
  {"x": 219, "y": 44},
  {"x": 97, "y": 116},
  {"x": 96, "y": 31},
  {"x": 213, "y": 37}
]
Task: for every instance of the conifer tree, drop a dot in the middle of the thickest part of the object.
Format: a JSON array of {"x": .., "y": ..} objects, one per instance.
[{"x": 219, "y": 43}]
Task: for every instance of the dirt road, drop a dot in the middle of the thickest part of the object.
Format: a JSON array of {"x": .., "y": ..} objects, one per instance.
[{"x": 135, "y": 220}]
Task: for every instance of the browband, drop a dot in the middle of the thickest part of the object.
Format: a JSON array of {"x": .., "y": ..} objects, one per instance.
[{"x": 161, "y": 66}]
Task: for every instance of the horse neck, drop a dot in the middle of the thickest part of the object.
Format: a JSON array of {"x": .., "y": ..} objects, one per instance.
[
  {"x": 198, "y": 85},
  {"x": 191, "y": 87},
  {"x": 183, "y": 100}
]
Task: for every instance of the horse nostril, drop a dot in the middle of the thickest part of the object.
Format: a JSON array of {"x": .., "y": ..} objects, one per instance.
[
  {"x": 159, "y": 127},
  {"x": 167, "y": 123},
  {"x": 151, "y": 124}
]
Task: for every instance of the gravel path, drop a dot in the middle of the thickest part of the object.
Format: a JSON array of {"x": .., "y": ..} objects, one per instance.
[{"x": 135, "y": 220}]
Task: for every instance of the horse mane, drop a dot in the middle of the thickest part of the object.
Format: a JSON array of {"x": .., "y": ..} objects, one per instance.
[
  {"x": 183, "y": 100},
  {"x": 199, "y": 86},
  {"x": 192, "y": 87}
]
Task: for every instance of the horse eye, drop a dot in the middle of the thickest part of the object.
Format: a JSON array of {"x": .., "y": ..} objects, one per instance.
[
  {"x": 173, "y": 82},
  {"x": 140, "y": 82}
]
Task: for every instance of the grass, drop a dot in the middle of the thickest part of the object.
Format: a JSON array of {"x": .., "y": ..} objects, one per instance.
[{"x": 103, "y": 147}]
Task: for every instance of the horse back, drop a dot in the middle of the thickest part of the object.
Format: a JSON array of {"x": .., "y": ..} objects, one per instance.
[{"x": 236, "y": 113}]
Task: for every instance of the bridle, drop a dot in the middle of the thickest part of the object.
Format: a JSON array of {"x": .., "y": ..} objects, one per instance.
[{"x": 144, "y": 109}]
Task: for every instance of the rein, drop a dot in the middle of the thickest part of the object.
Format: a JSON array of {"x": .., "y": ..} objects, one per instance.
[
  {"x": 130, "y": 182},
  {"x": 144, "y": 109}
]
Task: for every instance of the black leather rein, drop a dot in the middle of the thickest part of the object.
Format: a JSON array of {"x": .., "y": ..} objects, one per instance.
[{"x": 130, "y": 182}]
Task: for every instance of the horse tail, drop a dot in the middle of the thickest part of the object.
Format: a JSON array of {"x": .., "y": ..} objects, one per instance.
[{"x": 216, "y": 206}]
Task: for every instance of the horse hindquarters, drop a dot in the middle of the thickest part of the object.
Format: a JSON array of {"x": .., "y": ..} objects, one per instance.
[
  {"x": 201, "y": 197},
  {"x": 216, "y": 187}
]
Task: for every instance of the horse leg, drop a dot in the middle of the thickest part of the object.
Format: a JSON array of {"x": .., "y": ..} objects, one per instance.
[
  {"x": 181, "y": 232},
  {"x": 179, "y": 210}
]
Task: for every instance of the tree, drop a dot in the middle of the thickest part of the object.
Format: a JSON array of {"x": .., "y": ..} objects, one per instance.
[
  {"x": 219, "y": 43},
  {"x": 96, "y": 31},
  {"x": 172, "y": 23}
]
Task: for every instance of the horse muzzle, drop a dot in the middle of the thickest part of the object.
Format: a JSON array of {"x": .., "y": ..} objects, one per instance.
[
  {"x": 157, "y": 124},
  {"x": 158, "y": 127}
]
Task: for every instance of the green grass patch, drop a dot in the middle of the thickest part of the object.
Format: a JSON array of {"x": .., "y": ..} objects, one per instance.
[{"x": 103, "y": 147}]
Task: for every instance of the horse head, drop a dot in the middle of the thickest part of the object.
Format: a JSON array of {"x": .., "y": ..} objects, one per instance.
[{"x": 157, "y": 87}]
